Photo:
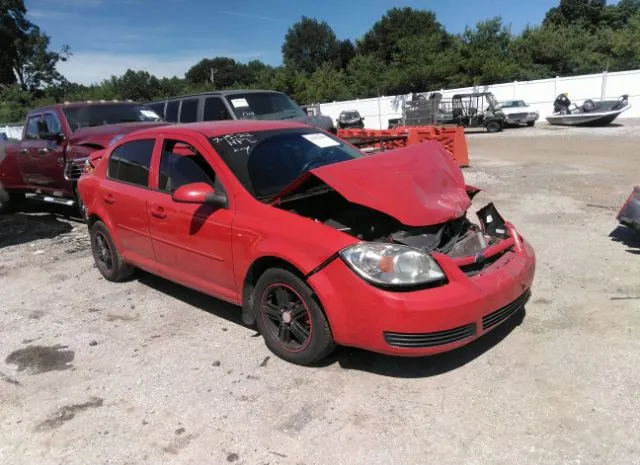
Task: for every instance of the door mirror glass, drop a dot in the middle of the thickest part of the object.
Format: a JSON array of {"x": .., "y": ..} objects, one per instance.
[
  {"x": 54, "y": 136},
  {"x": 201, "y": 193}
]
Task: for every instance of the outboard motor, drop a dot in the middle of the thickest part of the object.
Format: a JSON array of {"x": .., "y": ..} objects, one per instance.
[{"x": 561, "y": 104}]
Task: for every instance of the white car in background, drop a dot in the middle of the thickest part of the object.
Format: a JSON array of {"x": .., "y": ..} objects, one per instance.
[{"x": 517, "y": 112}]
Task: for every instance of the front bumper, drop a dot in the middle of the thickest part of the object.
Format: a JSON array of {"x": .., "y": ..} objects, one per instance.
[
  {"x": 629, "y": 214},
  {"x": 521, "y": 118},
  {"x": 432, "y": 320}
]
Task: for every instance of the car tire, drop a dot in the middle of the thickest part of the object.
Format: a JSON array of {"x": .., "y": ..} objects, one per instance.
[
  {"x": 290, "y": 318},
  {"x": 531, "y": 123},
  {"x": 10, "y": 203},
  {"x": 493, "y": 126},
  {"x": 106, "y": 256}
]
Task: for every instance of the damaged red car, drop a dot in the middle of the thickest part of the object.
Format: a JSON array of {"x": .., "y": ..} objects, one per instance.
[{"x": 318, "y": 242}]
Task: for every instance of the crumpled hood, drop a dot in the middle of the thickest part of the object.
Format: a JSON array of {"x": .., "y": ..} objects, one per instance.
[
  {"x": 102, "y": 135},
  {"x": 419, "y": 185}
]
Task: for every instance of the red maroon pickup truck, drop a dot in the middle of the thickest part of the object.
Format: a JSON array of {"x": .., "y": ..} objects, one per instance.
[{"x": 56, "y": 141}]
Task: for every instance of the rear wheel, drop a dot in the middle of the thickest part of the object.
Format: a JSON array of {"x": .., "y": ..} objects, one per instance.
[
  {"x": 106, "y": 256},
  {"x": 493, "y": 126},
  {"x": 290, "y": 319}
]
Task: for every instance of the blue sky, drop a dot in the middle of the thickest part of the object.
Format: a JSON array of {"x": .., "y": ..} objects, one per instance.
[{"x": 166, "y": 37}]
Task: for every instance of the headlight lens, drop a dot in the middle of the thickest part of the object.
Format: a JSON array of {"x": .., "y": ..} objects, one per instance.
[{"x": 392, "y": 265}]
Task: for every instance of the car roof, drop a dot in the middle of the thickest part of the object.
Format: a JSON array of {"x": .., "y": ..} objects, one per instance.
[
  {"x": 221, "y": 93},
  {"x": 93, "y": 103},
  {"x": 218, "y": 128}
]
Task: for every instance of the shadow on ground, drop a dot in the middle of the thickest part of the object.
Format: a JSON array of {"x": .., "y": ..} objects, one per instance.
[
  {"x": 349, "y": 358},
  {"x": 19, "y": 228},
  {"x": 215, "y": 307},
  {"x": 628, "y": 237}
]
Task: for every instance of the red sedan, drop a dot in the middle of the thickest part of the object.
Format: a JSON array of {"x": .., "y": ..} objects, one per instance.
[{"x": 319, "y": 243}]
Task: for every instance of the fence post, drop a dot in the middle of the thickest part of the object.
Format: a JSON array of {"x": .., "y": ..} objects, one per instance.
[
  {"x": 515, "y": 89},
  {"x": 379, "y": 113},
  {"x": 603, "y": 88}
]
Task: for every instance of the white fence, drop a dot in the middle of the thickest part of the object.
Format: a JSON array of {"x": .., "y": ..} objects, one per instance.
[
  {"x": 13, "y": 131},
  {"x": 539, "y": 94}
]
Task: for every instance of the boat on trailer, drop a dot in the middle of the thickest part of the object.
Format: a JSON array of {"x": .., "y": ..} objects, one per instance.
[{"x": 590, "y": 113}]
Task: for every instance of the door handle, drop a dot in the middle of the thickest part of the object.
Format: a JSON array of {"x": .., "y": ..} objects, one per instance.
[
  {"x": 43, "y": 151},
  {"x": 158, "y": 212},
  {"x": 108, "y": 198},
  {"x": 24, "y": 151}
]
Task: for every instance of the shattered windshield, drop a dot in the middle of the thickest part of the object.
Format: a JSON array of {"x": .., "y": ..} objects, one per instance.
[
  {"x": 264, "y": 105},
  {"x": 108, "y": 113},
  {"x": 265, "y": 162}
]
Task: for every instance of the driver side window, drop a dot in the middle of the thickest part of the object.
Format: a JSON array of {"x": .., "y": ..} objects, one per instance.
[{"x": 180, "y": 164}]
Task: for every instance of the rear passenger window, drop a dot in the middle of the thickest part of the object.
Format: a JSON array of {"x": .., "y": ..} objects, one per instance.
[
  {"x": 189, "y": 111},
  {"x": 182, "y": 164},
  {"x": 131, "y": 161},
  {"x": 158, "y": 107},
  {"x": 171, "y": 114},
  {"x": 215, "y": 109}
]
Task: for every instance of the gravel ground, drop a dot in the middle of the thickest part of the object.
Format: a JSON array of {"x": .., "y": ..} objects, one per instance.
[{"x": 149, "y": 372}]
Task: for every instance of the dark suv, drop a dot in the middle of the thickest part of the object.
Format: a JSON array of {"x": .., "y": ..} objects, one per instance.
[{"x": 236, "y": 104}]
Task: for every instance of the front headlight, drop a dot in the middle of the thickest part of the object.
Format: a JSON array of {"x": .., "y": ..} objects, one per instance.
[{"x": 392, "y": 265}]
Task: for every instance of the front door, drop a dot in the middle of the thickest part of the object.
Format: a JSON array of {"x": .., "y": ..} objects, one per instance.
[
  {"x": 125, "y": 193},
  {"x": 192, "y": 242}
]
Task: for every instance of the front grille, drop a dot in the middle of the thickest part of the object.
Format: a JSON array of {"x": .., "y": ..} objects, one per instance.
[
  {"x": 518, "y": 115},
  {"x": 439, "y": 338},
  {"x": 473, "y": 269},
  {"x": 74, "y": 169},
  {"x": 505, "y": 312}
]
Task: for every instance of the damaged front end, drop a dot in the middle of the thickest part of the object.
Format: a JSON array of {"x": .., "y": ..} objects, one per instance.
[
  {"x": 629, "y": 214},
  {"x": 473, "y": 247}
]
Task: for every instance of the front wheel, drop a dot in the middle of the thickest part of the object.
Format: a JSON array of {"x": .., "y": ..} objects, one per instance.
[
  {"x": 106, "y": 256},
  {"x": 290, "y": 319},
  {"x": 493, "y": 126},
  {"x": 531, "y": 123},
  {"x": 10, "y": 202}
]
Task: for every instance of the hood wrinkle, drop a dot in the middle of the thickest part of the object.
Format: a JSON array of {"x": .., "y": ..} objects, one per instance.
[{"x": 419, "y": 185}]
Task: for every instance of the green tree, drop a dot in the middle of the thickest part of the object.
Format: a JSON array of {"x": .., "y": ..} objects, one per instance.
[
  {"x": 586, "y": 13},
  {"x": 486, "y": 53},
  {"x": 13, "y": 28},
  {"x": 383, "y": 39},
  {"x": 309, "y": 44},
  {"x": 365, "y": 76},
  {"x": 35, "y": 64}
]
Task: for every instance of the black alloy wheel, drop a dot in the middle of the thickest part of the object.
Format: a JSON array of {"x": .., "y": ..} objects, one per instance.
[
  {"x": 290, "y": 318},
  {"x": 106, "y": 256}
]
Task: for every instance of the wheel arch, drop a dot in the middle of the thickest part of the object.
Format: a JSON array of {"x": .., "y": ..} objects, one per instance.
[{"x": 253, "y": 274}]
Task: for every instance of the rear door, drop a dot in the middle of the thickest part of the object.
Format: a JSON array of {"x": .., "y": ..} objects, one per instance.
[
  {"x": 125, "y": 194},
  {"x": 192, "y": 242}
]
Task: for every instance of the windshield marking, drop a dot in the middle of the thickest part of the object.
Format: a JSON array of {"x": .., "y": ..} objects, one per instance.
[{"x": 238, "y": 142}]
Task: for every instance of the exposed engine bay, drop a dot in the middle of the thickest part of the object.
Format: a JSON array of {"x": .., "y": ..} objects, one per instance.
[{"x": 456, "y": 238}]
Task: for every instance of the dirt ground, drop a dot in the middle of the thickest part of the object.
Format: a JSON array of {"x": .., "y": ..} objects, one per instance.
[{"x": 149, "y": 372}]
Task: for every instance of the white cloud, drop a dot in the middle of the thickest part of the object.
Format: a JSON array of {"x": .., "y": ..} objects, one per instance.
[{"x": 93, "y": 67}]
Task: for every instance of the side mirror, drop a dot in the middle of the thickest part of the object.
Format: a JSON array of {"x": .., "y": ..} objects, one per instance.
[
  {"x": 54, "y": 136},
  {"x": 362, "y": 118},
  {"x": 202, "y": 193}
]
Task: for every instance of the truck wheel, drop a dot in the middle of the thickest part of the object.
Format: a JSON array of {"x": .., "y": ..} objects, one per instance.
[
  {"x": 531, "y": 123},
  {"x": 290, "y": 319},
  {"x": 10, "y": 203},
  {"x": 493, "y": 126},
  {"x": 106, "y": 256}
]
